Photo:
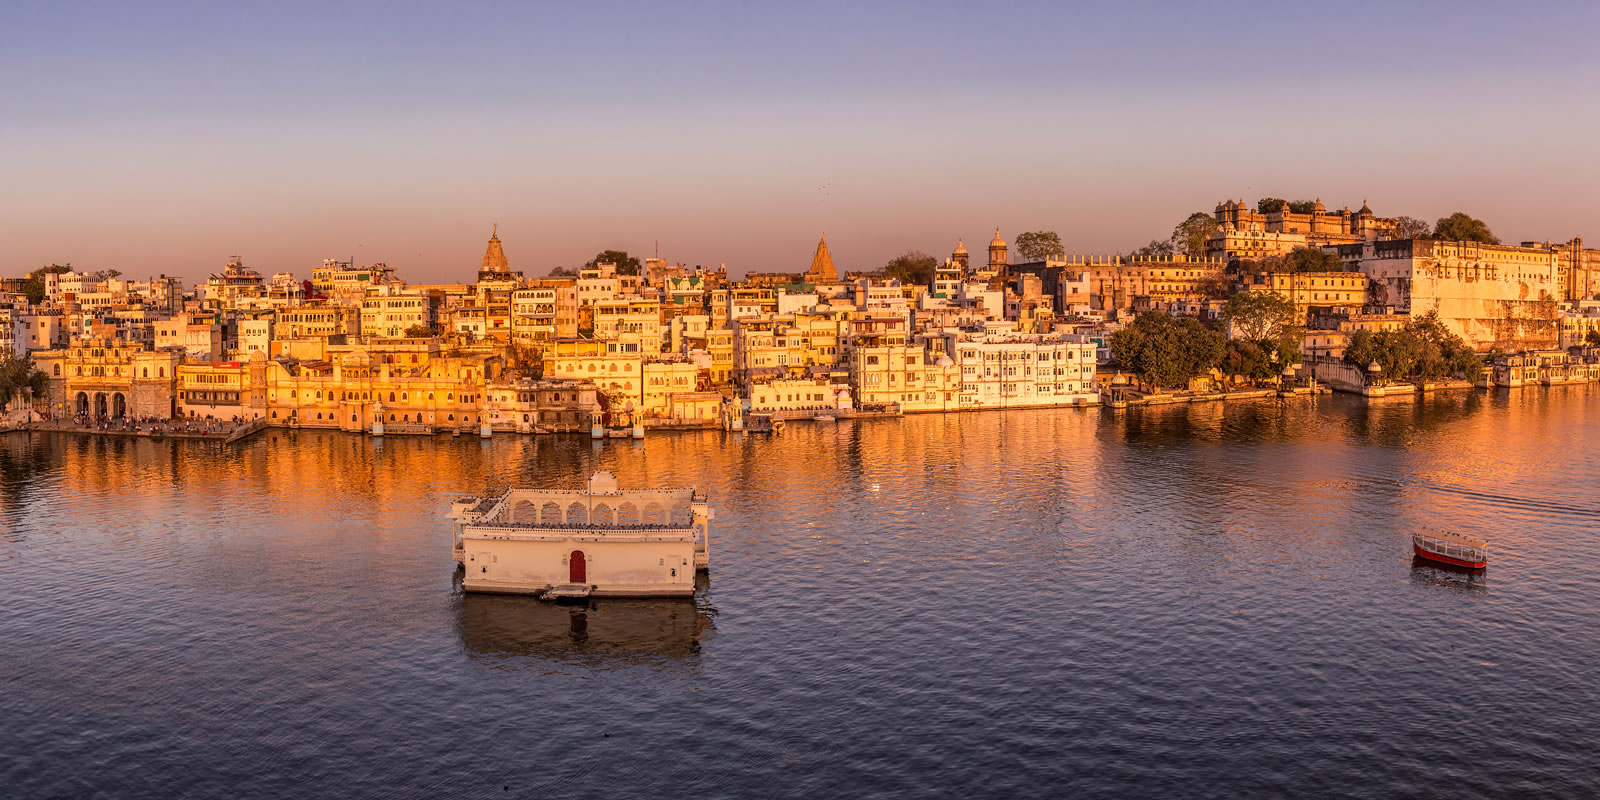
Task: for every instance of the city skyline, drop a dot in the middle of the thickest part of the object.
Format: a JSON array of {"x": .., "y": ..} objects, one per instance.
[{"x": 166, "y": 140}]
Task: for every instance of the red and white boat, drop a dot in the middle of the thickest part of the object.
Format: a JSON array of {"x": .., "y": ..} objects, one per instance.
[{"x": 1451, "y": 548}]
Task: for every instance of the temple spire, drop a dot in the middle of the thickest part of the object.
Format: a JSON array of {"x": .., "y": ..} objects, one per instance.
[
  {"x": 822, "y": 269},
  {"x": 494, "y": 258}
]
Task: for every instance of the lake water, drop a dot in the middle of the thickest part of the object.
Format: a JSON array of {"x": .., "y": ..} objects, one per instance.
[{"x": 1207, "y": 601}]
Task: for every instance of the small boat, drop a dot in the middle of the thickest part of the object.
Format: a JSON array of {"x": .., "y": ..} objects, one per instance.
[
  {"x": 764, "y": 423},
  {"x": 1451, "y": 548},
  {"x": 824, "y": 418}
]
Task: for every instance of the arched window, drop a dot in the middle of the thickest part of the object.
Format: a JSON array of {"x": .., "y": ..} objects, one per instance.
[
  {"x": 391, "y": 397},
  {"x": 402, "y": 395},
  {"x": 58, "y": 370},
  {"x": 430, "y": 395},
  {"x": 161, "y": 372},
  {"x": 80, "y": 370},
  {"x": 146, "y": 373}
]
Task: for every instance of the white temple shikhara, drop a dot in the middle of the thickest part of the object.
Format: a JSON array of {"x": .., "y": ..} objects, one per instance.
[{"x": 599, "y": 540}]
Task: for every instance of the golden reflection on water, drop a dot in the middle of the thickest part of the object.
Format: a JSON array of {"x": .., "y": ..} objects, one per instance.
[{"x": 1045, "y": 592}]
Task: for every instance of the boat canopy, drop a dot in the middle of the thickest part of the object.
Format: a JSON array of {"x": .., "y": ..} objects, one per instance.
[{"x": 1451, "y": 538}]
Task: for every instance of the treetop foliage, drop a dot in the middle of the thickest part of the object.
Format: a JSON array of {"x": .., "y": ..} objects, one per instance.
[
  {"x": 1167, "y": 351},
  {"x": 1267, "y": 205},
  {"x": 1424, "y": 350},
  {"x": 911, "y": 267},
  {"x": 626, "y": 264},
  {"x": 1462, "y": 227},
  {"x": 1039, "y": 246}
]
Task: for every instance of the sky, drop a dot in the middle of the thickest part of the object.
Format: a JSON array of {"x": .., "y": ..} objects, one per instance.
[{"x": 164, "y": 138}]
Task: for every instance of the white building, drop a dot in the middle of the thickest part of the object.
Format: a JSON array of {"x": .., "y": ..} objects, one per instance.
[
  {"x": 599, "y": 540},
  {"x": 1018, "y": 370}
]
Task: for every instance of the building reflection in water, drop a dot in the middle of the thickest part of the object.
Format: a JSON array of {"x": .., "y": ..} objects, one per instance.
[{"x": 603, "y": 633}]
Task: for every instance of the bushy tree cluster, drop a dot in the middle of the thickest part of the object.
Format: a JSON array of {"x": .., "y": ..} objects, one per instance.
[
  {"x": 1423, "y": 350},
  {"x": 626, "y": 264},
  {"x": 913, "y": 267},
  {"x": 1461, "y": 227},
  {"x": 1167, "y": 351},
  {"x": 1267, "y": 205},
  {"x": 1039, "y": 245},
  {"x": 18, "y": 375},
  {"x": 33, "y": 286},
  {"x": 1266, "y": 331}
]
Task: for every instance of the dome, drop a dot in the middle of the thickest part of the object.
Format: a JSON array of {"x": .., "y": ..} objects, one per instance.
[
  {"x": 944, "y": 361},
  {"x": 960, "y": 248},
  {"x": 998, "y": 242}
]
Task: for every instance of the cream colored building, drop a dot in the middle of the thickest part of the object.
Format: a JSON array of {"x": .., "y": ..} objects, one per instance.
[
  {"x": 1252, "y": 235},
  {"x": 1002, "y": 370},
  {"x": 1491, "y": 295},
  {"x": 529, "y": 406},
  {"x": 223, "y": 390},
  {"x": 794, "y": 395},
  {"x": 1307, "y": 289},
  {"x": 391, "y": 311},
  {"x": 406, "y": 391},
  {"x": 600, "y": 540},
  {"x": 109, "y": 379},
  {"x": 309, "y": 322}
]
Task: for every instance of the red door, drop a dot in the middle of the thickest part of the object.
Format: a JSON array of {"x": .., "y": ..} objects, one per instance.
[{"x": 578, "y": 573}]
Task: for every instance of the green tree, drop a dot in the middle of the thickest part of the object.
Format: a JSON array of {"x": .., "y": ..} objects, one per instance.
[
  {"x": 1039, "y": 246},
  {"x": 18, "y": 375},
  {"x": 1260, "y": 361},
  {"x": 33, "y": 287},
  {"x": 1423, "y": 350},
  {"x": 626, "y": 264},
  {"x": 1155, "y": 249},
  {"x": 1267, "y": 205},
  {"x": 1167, "y": 351},
  {"x": 1189, "y": 237},
  {"x": 419, "y": 331},
  {"x": 911, "y": 267},
  {"x": 1311, "y": 259},
  {"x": 1461, "y": 227},
  {"x": 1410, "y": 228},
  {"x": 1260, "y": 316},
  {"x": 562, "y": 272},
  {"x": 1592, "y": 338}
]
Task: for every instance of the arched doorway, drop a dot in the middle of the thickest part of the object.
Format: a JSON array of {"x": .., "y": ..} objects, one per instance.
[
  {"x": 119, "y": 406},
  {"x": 577, "y": 569},
  {"x": 100, "y": 404},
  {"x": 83, "y": 402}
]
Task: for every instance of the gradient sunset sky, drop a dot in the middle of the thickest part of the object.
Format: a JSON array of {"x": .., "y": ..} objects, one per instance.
[{"x": 167, "y": 137}]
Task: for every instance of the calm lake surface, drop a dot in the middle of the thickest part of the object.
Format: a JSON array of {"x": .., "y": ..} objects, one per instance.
[{"x": 1206, "y": 601}]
